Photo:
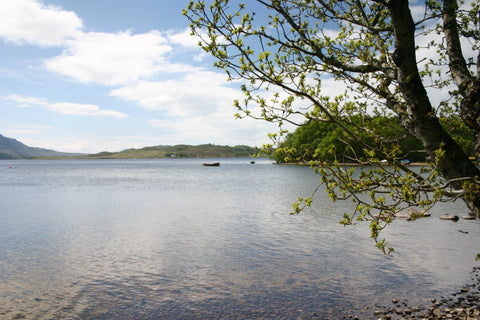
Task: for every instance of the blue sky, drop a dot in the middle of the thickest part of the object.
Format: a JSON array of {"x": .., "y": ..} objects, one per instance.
[
  {"x": 106, "y": 75},
  {"x": 95, "y": 75}
]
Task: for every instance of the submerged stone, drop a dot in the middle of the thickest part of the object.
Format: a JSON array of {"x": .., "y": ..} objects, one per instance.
[{"x": 450, "y": 217}]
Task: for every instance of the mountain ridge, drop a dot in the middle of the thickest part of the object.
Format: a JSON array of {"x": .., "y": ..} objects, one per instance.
[{"x": 13, "y": 149}]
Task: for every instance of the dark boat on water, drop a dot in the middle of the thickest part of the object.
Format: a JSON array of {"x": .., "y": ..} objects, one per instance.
[{"x": 215, "y": 164}]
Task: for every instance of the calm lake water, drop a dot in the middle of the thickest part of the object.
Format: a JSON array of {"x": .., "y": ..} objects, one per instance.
[{"x": 171, "y": 239}]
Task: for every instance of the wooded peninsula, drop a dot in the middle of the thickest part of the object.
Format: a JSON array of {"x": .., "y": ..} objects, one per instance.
[{"x": 177, "y": 151}]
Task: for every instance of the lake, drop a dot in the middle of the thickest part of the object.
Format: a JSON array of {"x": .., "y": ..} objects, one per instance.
[{"x": 172, "y": 239}]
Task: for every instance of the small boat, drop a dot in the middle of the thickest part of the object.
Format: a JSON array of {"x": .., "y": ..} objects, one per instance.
[{"x": 215, "y": 164}]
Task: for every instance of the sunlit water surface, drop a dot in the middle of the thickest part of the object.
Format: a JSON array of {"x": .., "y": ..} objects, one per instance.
[{"x": 172, "y": 239}]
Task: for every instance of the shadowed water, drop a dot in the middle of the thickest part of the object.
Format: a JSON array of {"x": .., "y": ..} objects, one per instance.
[{"x": 171, "y": 239}]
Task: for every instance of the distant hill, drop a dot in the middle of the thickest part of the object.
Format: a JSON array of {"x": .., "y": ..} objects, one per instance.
[
  {"x": 178, "y": 151},
  {"x": 14, "y": 149}
]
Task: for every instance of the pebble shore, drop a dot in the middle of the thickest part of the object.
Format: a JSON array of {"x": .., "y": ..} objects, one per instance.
[{"x": 463, "y": 305}]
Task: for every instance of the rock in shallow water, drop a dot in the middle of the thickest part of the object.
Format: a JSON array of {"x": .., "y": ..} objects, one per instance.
[{"x": 449, "y": 217}]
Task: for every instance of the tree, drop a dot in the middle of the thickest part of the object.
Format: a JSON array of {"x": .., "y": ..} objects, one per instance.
[
  {"x": 313, "y": 140},
  {"x": 390, "y": 57}
]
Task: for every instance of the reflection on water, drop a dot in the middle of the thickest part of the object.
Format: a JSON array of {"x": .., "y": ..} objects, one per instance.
[{"x": 170, "y": 239}]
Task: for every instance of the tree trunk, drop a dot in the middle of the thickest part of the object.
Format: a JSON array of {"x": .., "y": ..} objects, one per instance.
[
  {"x": 424, "y": 124},
  {"x": 468, "y": 85}
]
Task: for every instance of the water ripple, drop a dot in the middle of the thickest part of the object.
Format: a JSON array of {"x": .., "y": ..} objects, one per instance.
[{"x": 165, "y": 239}]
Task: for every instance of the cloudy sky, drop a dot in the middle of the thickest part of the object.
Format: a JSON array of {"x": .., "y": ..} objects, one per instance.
[{"x": 89, "y": 76}]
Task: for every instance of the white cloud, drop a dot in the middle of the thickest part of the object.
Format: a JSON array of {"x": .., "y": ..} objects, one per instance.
[
  {"x": 64, "y": 144},
  {"x": 64, "y": 107},
  {"x": 111, "y": 59},
  {"x": 190, "y": 42},
  {"x": 25, "y": 102},
  {"x": 418, "y": 11},
  {"x": 89, "y": 143},
  {"x": 185, "y": 39},
  {"x": 220, "y": 128},
  {"x": 95, "y": 143},
  {"x": 152, "y": 69},
  {"x": 197, "y": 108},
  {"x": 31, "y": 22},
  {"x": 26, "y": 129},
  {"x": 200, "y": 92},
  {"x": 83, "y": 110}
]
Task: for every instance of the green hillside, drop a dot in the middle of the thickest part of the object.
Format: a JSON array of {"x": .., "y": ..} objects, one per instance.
[
  {"x": 13, "y": 149},
  {"x": 178, "y": 151}
]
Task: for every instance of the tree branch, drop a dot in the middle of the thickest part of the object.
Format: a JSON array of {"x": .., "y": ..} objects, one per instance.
[{"x": 317, "y": 51}]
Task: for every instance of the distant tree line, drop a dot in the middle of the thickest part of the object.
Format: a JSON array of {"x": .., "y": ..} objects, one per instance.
[
  {"x": 326, "y": 142},
  {"x": 178, "y": 151}
]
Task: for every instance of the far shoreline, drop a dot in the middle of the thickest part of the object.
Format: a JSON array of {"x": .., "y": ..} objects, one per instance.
[{"x": 351, "y": 164}]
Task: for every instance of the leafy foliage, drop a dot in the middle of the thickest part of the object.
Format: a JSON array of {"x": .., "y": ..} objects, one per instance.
[{"x": 316, "y": 141}]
